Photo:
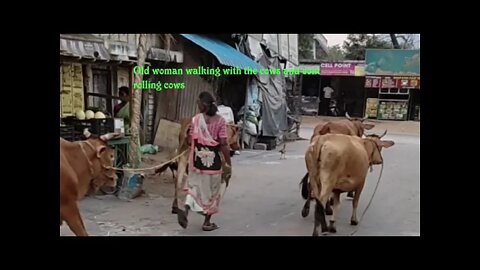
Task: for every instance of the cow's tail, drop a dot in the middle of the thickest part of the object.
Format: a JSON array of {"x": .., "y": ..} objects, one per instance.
[
  {"x": 312, "y": 158},
  {"x": 304, "y": 185}
]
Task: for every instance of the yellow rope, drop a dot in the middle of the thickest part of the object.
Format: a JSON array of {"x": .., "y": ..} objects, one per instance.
[
  {"x": 157, "y": 166},
  {"x": 371, "y": 199},
  {"x": 154, "y": 167}
]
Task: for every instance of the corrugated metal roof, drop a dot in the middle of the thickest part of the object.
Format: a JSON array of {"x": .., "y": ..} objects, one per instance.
[
  {"x": 164, "y": 55},
  {"x": 92, "y": 49},
  {"x": 225, "y": 54}
]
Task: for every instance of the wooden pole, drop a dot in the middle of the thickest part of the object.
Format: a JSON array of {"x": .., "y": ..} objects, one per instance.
[
  {"x": 134, "y": 156},
  {"x": 244, "y": 124}
]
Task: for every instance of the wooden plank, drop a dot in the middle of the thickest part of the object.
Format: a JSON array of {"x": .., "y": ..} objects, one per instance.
[
  {"x": 102, "y": 95},
  {"x": 167, "y": 134}
]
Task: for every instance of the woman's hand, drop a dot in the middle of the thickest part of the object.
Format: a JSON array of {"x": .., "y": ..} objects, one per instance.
[{"x": 227, "y": 173}]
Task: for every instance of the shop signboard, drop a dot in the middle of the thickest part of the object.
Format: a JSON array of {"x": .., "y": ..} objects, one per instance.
[
  {"x": 341, "y": 69},
  {"x": 407, "y": 82},
  {"x": 392, "y": 62},
  {"x": 360, "y": 70},
  {"x": 372, "y": 82},
  {"x": 392, "y": 82}
]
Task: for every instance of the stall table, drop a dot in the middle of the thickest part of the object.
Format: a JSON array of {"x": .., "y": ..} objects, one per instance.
[{"x": 120, "y": 147}]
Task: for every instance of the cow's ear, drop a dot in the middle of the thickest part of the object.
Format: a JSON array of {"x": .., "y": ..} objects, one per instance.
[
  {"x": 100, "y": 150},
  {"x": 387, "y": 144},
  {"x": 368, "y": 126},
  {"x": 325, "y": 129}
]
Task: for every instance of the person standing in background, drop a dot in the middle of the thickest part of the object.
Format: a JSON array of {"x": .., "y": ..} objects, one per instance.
[
  {"x": 327, "y": 96},
  {"x": 122, "y": 110}
]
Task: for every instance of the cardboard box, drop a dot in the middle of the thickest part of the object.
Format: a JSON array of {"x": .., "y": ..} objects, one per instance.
[{"x": 119, "y": 125}]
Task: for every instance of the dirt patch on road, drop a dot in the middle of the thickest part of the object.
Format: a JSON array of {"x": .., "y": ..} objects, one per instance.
[
  {"x": 158, "y": 184},
  {"x": 402, "y": 127}
]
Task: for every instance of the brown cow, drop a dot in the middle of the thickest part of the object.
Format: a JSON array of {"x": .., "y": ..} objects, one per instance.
[
  {"x": 181, "y": 164},
  {"x": 85, "y": 166},
  {"x": 339, "y": 163},
  {"x": 349, "y": 126}
]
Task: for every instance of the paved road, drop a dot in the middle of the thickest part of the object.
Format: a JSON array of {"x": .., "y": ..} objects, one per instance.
[{"x": 264, "y": 199}]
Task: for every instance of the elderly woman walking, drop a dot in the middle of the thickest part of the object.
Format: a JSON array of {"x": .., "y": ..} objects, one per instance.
[{"x": 209, "y": 163}]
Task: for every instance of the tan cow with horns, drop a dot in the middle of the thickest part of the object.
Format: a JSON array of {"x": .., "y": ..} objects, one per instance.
[
  {"x": 85, "y": 166},
  {"x": 339, "y": 163}
]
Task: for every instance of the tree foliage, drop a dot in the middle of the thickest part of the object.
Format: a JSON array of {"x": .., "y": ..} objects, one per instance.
[
  {"x": 356, "y": 44},
  {"x": 305, "y": 49},
  {"x": 335, "y": 53},
  {"x": 405, "y": 41}
]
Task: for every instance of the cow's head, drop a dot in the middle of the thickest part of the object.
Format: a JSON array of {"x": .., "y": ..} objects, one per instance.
[
  {"x": 374, "y": 145},
  {"x": 359, "y": 125},
  {"x": 102, "y": 163},
  {"x": 232, "y": 137}
]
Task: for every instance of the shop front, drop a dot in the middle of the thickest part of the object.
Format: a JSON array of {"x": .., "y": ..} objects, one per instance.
[
  {"x": 89, "y": 81},
  {"x": 392, "y": 84},
  {"x": 347, "y": 79},
  {"x": 393, "y": 97}
]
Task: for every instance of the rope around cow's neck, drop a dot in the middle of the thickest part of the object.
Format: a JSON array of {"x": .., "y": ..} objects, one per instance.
[
  {"x": 151, "y": 168},
  {"x": 90, "y": 164},
  {"x": 370, "y": 202}
]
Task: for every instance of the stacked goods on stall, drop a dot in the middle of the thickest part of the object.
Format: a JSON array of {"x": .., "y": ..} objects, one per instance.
[
  {"x": 67, "y": 132},
  {"x": 417, "y": 113},
  {"x": 71, "y": 89},
  {"x": 95, "y": 126},
  {"x": 98, "y": 124},
  {"x": 371, "y": 107},
  {"x": 384, "y": 110},
  {"x": 393, "y": 110}
]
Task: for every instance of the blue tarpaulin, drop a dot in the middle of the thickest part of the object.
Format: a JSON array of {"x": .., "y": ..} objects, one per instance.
[{"x": 226, "y": 54}]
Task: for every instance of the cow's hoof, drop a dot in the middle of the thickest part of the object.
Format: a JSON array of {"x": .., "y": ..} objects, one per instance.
[
  {"x": 305, "y": 212},
  {"x": 332, "y": 228},
  {"x": 328, "y": 211},
  {"x": 353, "y": 222},
  {"x": 182, "y": 219}
]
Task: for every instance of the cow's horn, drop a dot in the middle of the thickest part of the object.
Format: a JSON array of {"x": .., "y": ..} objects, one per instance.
[
  {"x": 384, "y": 133},
  {"x": 108, "y": 136},
  {"x": 348, "y": 116},
  {"x": 86, "y": 133}
]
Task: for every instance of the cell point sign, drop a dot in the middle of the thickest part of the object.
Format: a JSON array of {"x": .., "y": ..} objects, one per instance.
[{"x": 341, "y": 69}]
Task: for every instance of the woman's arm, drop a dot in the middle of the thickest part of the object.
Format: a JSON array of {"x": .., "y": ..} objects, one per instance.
[
  {"x": 225, "y": 151},
  {"x": 222, "y": 135}
]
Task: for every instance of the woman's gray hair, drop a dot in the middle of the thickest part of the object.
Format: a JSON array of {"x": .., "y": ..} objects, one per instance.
[{"x": 208, "y": 101}]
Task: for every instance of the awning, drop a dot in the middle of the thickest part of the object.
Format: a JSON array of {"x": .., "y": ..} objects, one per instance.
[
  {"x": 225, "y": 54},
  {"x": 83, "y": 46},
  {"x": 164, "y": 55}
]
